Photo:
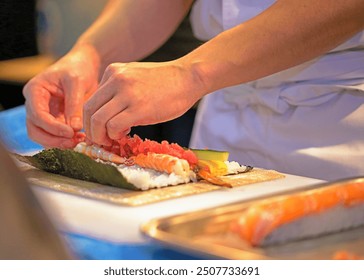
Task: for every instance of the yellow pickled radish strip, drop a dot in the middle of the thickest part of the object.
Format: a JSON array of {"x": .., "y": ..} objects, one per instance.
[{"x": 214, "y": 167}]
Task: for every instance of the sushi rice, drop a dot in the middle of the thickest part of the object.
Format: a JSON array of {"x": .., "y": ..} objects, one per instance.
[{"x": 146, "y": 178}]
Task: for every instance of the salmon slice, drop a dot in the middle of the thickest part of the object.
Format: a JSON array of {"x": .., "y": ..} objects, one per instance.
[
  {"x": 163, "y": 163},
  {"x": 302, "y": 215}
]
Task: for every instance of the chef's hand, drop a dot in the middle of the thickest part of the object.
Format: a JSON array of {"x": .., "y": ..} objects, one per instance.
[
  {"x": 55, "y": 98},
  {"x": 133, "y": 94}
]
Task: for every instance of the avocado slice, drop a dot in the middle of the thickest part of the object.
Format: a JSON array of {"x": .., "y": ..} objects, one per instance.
[{"x": 205, "y": 154}]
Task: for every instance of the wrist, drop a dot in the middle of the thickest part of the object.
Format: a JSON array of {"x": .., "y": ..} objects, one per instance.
[
  {"x": 197, "y": 78},
  {"x": 88, "y": 53},
  {"x": 209, "y": 73}
]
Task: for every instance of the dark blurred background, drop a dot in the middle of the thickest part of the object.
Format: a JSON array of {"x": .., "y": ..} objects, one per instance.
[
  {"x": 17, "y": 29},
  {"x": 17, "y": 39}
]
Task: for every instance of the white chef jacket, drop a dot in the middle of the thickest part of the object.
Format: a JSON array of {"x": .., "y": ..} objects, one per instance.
[{"x": 307, "y": 120}]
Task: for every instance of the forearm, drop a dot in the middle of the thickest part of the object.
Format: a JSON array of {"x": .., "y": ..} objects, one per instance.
[
  {"x": 290, "y": 32},
  {"x": 128, "y": 30}
]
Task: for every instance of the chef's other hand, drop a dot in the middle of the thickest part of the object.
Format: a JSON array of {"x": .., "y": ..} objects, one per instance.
[
  {"x": 134, "y": 94},
  {"x": 55, "y": 98}
]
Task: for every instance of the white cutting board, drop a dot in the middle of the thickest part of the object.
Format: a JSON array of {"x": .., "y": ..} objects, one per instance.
[{"x": 107, "y": 221}]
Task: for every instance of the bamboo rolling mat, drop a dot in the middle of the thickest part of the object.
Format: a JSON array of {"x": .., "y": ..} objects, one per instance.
[{"x": 137, "y": 198}]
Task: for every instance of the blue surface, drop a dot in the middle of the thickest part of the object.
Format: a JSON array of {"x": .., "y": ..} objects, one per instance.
[
  {"x": 13, "y": 135},
  {"x": 13, "y": 132},
  {"x": 93, "y": 249}
]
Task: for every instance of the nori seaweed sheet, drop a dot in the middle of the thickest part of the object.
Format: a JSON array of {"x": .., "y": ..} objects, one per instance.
[{"x": 76, "y": 165}]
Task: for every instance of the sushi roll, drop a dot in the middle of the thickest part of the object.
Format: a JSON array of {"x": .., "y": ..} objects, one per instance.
[
  {"x": 303, "y": 215},
  {"x": 149, "y": 164}
]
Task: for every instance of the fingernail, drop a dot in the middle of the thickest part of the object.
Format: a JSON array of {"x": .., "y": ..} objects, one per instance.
[
  {"x": 76, "y": 123},
  {"x": 127, "y": 131}
]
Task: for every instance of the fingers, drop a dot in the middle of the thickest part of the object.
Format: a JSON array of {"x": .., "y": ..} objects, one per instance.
[
  {"x": 120, "y": 125},
  {"x": 111, "y": 70},
  {"x": 107, "y": 126},
  {"x": 97, "y": 132},
  {"x": 74, "y": 95},
  {"x": 96, "y": 114},
  {"x": 108, "y": 113},
  {"x": 54, "y": 99},
  {"x": 47, "y": 140},
  {"x": 38, "y": 111},
  {"x": 108, "y": 102},
  {"x": 109, "y": 122}
]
